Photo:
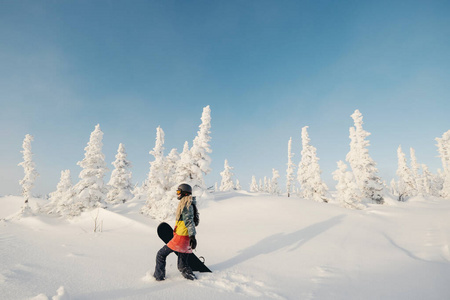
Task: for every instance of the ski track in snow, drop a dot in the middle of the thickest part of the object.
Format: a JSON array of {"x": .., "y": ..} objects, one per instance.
[
  {"x": 323, "y": 278},
  {"x": 229, "y": 281}
]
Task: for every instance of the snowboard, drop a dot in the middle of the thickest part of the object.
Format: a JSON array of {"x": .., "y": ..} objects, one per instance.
[{"x": 165, "y": 233}]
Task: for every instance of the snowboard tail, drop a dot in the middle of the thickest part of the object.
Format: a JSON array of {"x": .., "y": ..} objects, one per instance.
[{"x": 165, "y": 233}]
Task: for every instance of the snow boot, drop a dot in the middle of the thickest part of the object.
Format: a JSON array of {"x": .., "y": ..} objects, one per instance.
[{"x": 188, "y": 274}]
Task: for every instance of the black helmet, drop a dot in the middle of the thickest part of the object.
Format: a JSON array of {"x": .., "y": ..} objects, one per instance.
[{"x": 183, "y": 190}]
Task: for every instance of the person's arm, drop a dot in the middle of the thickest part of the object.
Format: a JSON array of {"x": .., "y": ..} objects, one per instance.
[{"x": 188, "y": 218}]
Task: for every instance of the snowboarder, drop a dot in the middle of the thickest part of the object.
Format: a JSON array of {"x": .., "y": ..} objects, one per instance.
[{"x": 183, "y": 241}]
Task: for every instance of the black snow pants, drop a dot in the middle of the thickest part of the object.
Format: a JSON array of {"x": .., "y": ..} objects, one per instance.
[{"x": 160, "y": 268}]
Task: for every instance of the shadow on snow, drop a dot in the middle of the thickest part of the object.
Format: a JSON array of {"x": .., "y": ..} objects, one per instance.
[{"x": 279, "y": 241}]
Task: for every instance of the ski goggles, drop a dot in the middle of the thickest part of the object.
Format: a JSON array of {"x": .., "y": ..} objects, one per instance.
[{"x": 178, "y": 192}]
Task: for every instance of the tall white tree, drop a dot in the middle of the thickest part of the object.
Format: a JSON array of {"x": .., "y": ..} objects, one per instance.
[
  {"x": 120, "y": 182},
  {"x": 406, "y": 183},
  {"x": 290, "y": 169},
  {"x": 443, "y": 145},
  {"x": 308, "y": 175},
  {"x": 274, "y": 188},
  {"x": 59, "y": 198},
  {"x": 172, "y": 160},
  {"x": 417, "y": 177},
  {"x": 254, "y": 188},
  {"x": 266, "y": 185},
  {"x": 90, "y": 191},
  {"x": 427, "y": 181},
  {"x": 363, "y": 166},
  {"x": 348, "y": 194},
  {"x": 184, "y": 167},
  {"x": 227, "y": 178},
  {"x": 200, "y": 151},
  {"x": 29, "y": 168},
  {"x": 157, "y": 181}
]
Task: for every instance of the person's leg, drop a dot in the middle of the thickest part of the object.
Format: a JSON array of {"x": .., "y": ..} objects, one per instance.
[
  {"x": 160, "y": 268},
  {"x": 183, "y": 266}
]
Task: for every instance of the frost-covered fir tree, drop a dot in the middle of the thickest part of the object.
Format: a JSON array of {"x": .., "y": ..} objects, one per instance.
[
  {"x": 59, "y": 199},
  {"x": 227, "y": 178},
  {"x": 200, "y": 151},
  {"x": 443, "y": 145},
  {"x": 120, "y": 185},
  {"x": 427, "y": 181},
  {"x": 155, "y": 205},
  {"x": 348, "y": 194},
  {"x": 393, "y": 187},
  {"x": 406, "y": 183},
  {"x": 238, "y": 186},
  {"x": 417, "y": 177},
  {"x": 254, "y": 188},
  {"x": 274, "y": 188},
  {"x": 172, "y": 161},
  {"x": 266, "y": 185},
  {"x": 184, "y": 168},
  {"x": 29, "y": 169},
  {"x": 438, "y": 182},
  {"x": 308, "y": 175},
  {"x": 363, "y": 166},
  {"x": 90, "y": 191},
  {"x": 290, "y": 169},
  {"x": 261, "y": 186},
  {"x": 173, "y": 179}
]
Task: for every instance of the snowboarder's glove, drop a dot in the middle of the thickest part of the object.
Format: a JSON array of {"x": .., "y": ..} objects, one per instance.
[{"x": 192, "y": 242}]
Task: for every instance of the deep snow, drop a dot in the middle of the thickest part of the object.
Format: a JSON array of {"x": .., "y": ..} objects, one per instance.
[{"x": 270, "y": 247}]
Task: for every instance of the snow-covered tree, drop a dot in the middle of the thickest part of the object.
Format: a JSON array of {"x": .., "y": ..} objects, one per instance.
[
  {"x": 120, "y": 185},
  {"x": 254, "y": 188},
  {"x": 308, "y": 175},
  {"x": 238, "y": 186},
  {"x": 266, "y": 188},
  {"x": 184, "y": 167},
  {"x": 200, "y": 151},
  {"x": 140, "y": 192},
  {"x": 406, "y": 183},
  {"x": 427, "y": 181},
  {"x": 443, "y": 145},
  {"x": 172, "y": 160},
  {"x": 157, "y": 182},
  {"x": 393, "y": 187},
  {"x": 261, "y": 186},
  {"x": 417, "y": 177},
  {"x": 227, "y": 178},
  {"x": 274, "y": 188},
  {"x": 348, "y": 193},
  {"x": 29, "y": 168},
  {"x": 290, "y": 169},
  {"x": 438, "y": 182},
  {"x": 363, "y": 166},
  {"x": 90, "y": 191},
  {"x": 58, "y": 199}
]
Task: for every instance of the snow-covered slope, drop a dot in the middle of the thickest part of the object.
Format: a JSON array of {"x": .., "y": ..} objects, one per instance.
[{"x": 257, "y": 246}]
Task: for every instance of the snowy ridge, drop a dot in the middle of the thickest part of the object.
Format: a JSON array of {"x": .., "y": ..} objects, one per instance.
[{"x": 258, "y": 246}]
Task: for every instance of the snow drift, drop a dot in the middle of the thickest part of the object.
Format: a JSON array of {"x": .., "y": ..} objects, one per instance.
[{"x": 257, "y": 246}]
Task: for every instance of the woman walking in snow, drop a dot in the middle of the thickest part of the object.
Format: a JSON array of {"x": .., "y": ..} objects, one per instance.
[{"x": 183, "y": 241}]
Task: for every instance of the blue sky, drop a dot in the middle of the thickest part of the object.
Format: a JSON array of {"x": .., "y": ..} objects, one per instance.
[{"x": 266, "y": 68}]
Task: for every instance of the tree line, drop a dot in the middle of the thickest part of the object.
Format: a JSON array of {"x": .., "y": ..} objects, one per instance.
[{"x": 158, "y": 190}]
